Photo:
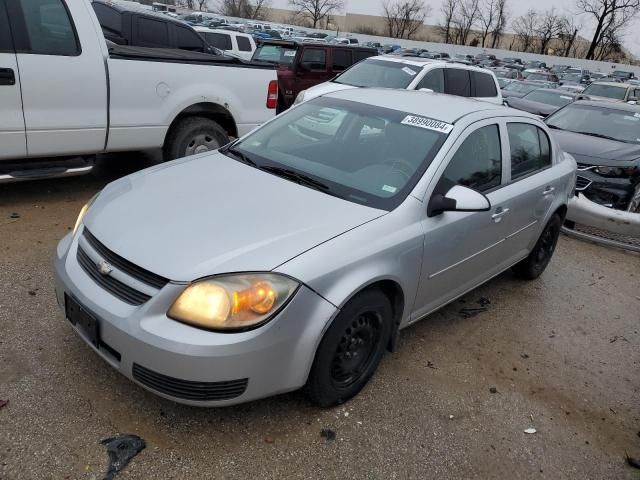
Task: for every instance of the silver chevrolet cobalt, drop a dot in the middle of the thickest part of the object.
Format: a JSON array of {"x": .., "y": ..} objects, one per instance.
[{"x": 294, "y": 256}]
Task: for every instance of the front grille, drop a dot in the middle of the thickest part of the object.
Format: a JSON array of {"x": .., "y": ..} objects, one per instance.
[
  {"x": 582, "y": 183},
  {"x": 187, "y": 389},
  {"x": 115, "y": 287},
  {"x": 124, "y": 265}
]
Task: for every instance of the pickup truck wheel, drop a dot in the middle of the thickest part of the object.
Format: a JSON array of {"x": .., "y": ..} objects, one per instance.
[
  {"x": 193, "y": 135},
  {"x": 532, "y": 267},
  {"x": 350, "y": 350}
]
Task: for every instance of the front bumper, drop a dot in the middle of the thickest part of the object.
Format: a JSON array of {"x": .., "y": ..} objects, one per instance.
[
  {"x": 167, "y": 357},
  {"x": 607, "y": 191}
]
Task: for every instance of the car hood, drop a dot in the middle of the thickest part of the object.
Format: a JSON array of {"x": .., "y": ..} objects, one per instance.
[
  {"x": 210, "y": 214},
  {"x": 324, "y": 88},
  {"x": 588, "y": 149},
  {"x": 537, "y": 108}
]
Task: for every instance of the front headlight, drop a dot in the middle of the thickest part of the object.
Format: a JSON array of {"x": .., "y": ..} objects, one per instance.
[
  {"x": 614, "y": 171},
  {"x": 233, "y": 302},
  {"x": 299, "y": 98},
  {"x": 83, "y": 213}
]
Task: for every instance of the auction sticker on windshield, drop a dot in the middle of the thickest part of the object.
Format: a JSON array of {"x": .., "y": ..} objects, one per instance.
[{"x": 428, "y": 123}]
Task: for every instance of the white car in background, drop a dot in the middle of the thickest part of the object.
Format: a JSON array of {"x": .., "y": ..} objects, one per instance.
[
  {"x": 413, "y": 73},
  {"x": 239, "y": 44}
]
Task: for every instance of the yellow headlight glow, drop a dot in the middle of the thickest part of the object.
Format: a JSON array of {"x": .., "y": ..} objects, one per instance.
[
  {"x": 233, "y": 302},
  {"x": 83, "y": 212}
]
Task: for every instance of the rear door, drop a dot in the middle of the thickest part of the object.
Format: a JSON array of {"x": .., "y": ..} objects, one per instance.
[
  {"x": 63, "y": 79},
  {"x": 341, "y": 59},
  {"x": 533, "y": 183},
  {"x": 13, "y": 142},
  {"x": 457, "y": 82}
]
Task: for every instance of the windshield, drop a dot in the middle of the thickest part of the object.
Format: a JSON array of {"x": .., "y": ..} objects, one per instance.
[
  {"x": 609, "y": 91},
  {"x": 379, "y": 73},
  {"x": 364, "y": 154},
  {"x": 542, "y": 76},
  {"x": 620, "y": 125},
  {"x": 283, "y": 55},
  {"x": 549, "y": 98}
]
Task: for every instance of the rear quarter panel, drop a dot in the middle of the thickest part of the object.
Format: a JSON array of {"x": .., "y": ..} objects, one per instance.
[{"x": 146, "y": 96}]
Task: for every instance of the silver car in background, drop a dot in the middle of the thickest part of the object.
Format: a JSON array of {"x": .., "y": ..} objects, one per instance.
[{"x": 294, "y": 256}]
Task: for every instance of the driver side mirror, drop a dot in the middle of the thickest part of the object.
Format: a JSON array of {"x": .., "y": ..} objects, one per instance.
[{"x": 458, "y": 199}]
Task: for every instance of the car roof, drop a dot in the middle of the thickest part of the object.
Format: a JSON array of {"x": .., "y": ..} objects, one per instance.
[
  {"x": 625, "y": 107},
  {"x": 199, "y": 28},
  {"x": 446, "y": 108},
  {"x": 130, "y": 6},
  {"x": 615, "y": 84},
  {"x": 423, "y": 61}
]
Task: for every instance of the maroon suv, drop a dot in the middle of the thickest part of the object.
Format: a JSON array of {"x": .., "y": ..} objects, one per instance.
[{"x": 303, "y": 65}]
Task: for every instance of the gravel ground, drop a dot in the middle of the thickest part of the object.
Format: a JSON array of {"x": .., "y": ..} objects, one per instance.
[{"x": 561, "y": 354}]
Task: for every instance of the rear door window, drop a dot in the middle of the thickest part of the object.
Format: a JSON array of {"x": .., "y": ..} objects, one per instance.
[
  {"x": 152, "y": 33},
  {"x": 244, "y": 45},
  {"x": 187, "y": 39},
  {"x": 458, "y": 82},
  {"x": 530, "y": 149},
  {"x": 341, "y": 60},
  {"x": 219, "y": 40},
  {"x": 484, "y": 85},
  {"x": 314, "y": 59},
  {"x": 359, "y": 55},
  {"x": 50, "y": 30},
  {"x": 110, "y": 20},
  {"x": 433, "y": 80}
]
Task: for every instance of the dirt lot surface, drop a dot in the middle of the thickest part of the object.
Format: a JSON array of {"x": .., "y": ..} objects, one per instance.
[{"x": 561, "y": 354}]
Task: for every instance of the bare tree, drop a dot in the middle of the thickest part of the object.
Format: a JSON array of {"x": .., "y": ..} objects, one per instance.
[
  {"x": 465, "y": 19},
  {"x": 448, "y": 9},
  {"x": 404, "y": 18},
  {"x": 255, "y": 10},
  {"x": 500, "y": 22},
  {"x": 487, "y": 18},
  {"x": 548, "y": 27},
  {"x": 525, "y": 27},
  {"x": 202, "y": 4},
  {"x": 611, "y": 16},
  {"x": 568, "y": 32},
  {"x": 316, "y": 10}
]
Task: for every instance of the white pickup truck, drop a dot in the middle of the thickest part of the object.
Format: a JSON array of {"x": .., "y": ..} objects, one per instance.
[{"x": 65, "y": 95}]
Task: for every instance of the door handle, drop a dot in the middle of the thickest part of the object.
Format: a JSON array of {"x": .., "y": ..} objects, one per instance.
[
  {"x": 548, "y": 190},
  {"x": 500, "y": 212},
  {"x": 7, "y": 76}
]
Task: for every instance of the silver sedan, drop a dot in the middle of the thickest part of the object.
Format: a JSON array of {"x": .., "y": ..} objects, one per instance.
[{"x": 294, "y": 256}]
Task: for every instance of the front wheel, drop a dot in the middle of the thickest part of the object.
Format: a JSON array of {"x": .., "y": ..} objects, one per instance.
[
  {"x": 193, "y": 135},
  {"x": 532, "y": 267},
  {"x": 350, "y": 350}
]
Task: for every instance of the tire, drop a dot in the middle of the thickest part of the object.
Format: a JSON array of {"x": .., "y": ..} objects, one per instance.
[
  {"x": 193, "y": 135},
  {"x": 350, "y": 350},
  {"x": 532, "y": 267}
]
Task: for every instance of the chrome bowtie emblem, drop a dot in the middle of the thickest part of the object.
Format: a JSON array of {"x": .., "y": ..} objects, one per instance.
[{"x": 104, "y": 268}]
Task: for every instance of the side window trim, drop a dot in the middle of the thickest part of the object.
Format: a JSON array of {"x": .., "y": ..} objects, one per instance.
[
  {"x": 20, "y": 32},
  {"x": 507, "y": 151},
  {"x": 9, "y": 47}
]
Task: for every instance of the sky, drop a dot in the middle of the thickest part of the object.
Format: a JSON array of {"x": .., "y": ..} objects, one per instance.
[{"x": 516, "y": 8}]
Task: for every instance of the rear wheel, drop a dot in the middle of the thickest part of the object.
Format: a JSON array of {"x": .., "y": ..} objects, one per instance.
[
  {"x": 350, "y": 350},
  {"x": 193, "y": 135},
  {"x": 532, "y": 267}
]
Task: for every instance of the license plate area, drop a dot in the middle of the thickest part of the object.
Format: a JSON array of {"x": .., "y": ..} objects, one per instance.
[{"x": 82, "y": 319}]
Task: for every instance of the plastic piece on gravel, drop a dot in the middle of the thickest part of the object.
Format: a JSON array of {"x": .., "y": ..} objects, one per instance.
[
  {"x": 530, "y": 430},
  {"x": 121, "y": 450}
]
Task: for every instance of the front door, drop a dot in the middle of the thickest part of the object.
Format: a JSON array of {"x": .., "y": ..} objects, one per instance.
[
  {"x": 313, "y": 68},
  {"x": 461, "y": 249},
  {"x": 13, "y": 143},
  {"x": 63, "y": 80}
]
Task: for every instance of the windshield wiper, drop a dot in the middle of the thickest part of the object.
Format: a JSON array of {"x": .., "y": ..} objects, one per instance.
[
  {"x": 297, "y": 177},
  {"x": 599, "y": 135},
  {"x": 553, "y": 127},
  {"x": 239, "y": 156}
]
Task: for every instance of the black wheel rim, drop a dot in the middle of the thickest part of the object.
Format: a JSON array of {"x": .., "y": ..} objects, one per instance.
[
  {"x": 547, "y": 245},
  {"x": 356, "y": 349}
]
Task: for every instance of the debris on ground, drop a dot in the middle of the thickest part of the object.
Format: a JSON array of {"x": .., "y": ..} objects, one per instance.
[
  {"x": 3, "y": 403},
  {"x": 468, "y": 312},
  {"x": 121, "y": 450},
  {"x": 493, "y": 390},
  {"x": 269, "y": 440},
  {"x": 329, "y": 434},
  {"x": 615, "y": 338},
  {"x": 530, "y": 430},
  {"x": 524, "y": 355},
  {"x": 14, "y": 215},
  {"x": 633, "y": 462},
  {"x": 484, "y": 301},
  {"x": 450, "y": 417},
  {"x": 431, "y": 365}
]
